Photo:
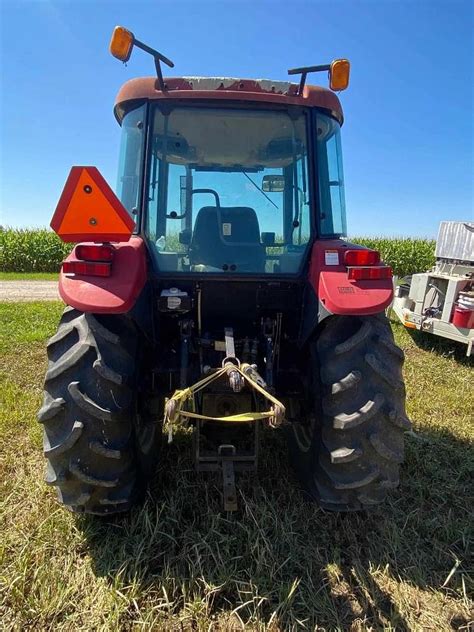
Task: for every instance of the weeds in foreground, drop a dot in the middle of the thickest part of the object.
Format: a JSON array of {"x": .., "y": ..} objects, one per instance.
[{"x": 179, "y": 563}]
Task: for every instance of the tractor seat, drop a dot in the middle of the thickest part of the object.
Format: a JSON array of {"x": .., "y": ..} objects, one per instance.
[{"x": 234, "y": 243}]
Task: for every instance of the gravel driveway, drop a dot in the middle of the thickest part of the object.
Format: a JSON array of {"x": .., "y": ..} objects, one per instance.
[{"x": 12, "y": 291}]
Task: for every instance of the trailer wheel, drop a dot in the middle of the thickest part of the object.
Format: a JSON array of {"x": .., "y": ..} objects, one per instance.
[
  {"x": 100, "y": 447},
  {"x": 348, "y": 455}
]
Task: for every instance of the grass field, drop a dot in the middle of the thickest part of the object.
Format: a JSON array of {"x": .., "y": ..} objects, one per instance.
[
  {"x": 29, "y": 276},
  {"x": 178, "y": 563}
]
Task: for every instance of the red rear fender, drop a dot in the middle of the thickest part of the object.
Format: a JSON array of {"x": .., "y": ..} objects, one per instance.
[
  {"x": 115, "y": 294},
  {"x": 329, "y": 278}
]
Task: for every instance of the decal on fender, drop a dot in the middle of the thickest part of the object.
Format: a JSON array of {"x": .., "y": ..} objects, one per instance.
[
  {"x": 331, "y": 257},
  {"x": 343, "y": 289}
]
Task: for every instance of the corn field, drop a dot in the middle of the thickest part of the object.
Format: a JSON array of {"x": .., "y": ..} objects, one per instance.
[
  {"x": 31, "y": 250},
  {"x": 40, "y": 250},
  {"x": 406, "y": 255}
]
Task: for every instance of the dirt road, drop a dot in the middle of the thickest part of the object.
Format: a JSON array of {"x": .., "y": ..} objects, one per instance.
[{"x": 11, "y": 291}]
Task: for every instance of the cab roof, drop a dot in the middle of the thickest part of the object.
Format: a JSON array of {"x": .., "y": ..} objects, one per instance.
[{"x": 226, "y": 89}]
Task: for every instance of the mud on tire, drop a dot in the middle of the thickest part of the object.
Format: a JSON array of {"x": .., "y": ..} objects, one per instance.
[
  {"x": 90, "y": 417},
  {"x": 348, "y": 456}
]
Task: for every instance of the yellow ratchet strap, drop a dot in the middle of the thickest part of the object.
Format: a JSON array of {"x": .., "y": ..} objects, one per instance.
[{"x": 174, "y": 406}]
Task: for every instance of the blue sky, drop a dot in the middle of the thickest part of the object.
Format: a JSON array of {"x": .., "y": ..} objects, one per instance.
[{"x": 408, "y": 132}]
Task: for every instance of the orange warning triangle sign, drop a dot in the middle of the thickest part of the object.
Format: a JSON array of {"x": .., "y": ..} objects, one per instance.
[{"x": 88, "y": 210}]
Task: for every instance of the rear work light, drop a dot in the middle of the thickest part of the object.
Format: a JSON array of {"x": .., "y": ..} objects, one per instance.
[
  {"x": 88, "y": 268},
  {"x": 361, "y": 257},
  {"x": 95, "y": 252},
  {"x": 370, "y": 273}
]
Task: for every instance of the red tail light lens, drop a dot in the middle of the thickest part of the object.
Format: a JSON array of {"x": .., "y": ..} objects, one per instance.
[
  {"x": 92, "y": 260},
  {"x": 95, "y": 252},
  {"x": 361, "y": 257},
  {"x": 378, "y": 272},
  {"x": 86, "y": 268}
]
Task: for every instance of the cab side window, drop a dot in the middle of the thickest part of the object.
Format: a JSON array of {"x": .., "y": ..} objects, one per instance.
[
  {"x": 130, "y": 159},
  {"x": 332, "y": 216}
]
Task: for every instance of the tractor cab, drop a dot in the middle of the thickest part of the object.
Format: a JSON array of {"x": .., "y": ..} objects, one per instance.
[{"x": 229, "y": 187}]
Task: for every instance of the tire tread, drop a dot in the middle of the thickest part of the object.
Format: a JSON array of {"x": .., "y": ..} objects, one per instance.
[
  {"x": 88, "y": 414},
  {"x": 357, "y": 446}
]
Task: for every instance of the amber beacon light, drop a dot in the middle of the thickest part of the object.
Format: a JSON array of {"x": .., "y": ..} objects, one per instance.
[
  {"x": 121, "y": 43},
  {"x": 339, "y": 74}
]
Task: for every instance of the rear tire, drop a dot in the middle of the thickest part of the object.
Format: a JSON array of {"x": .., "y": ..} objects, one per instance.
[
  {"x": 348, "y": 456},
  {"x": 101, "y": 449}
]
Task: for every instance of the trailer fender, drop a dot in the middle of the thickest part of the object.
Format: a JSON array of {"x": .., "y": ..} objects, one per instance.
[
  {"x": 114, "y": 294},
  {"x": 338, "y": 294}
]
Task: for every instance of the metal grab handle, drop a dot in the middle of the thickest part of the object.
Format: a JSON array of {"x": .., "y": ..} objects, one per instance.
[{"x": 211, "y": 191}]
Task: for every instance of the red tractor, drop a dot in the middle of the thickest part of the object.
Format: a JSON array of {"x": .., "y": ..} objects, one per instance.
[{"x": 217, "y": 290}]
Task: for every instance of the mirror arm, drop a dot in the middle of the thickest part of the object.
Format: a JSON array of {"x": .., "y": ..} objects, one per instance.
[
  {"x": 304, "y": 73},
  {"x": 158, "y": 57},
  {"x": 159, "y": 74}
]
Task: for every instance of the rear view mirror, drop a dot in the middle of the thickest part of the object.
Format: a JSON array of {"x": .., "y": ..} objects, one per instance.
[{"x": 273, "y": 184}]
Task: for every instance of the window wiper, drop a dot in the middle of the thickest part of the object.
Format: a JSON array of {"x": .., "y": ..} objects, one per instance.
[{"x": 259, "y": 189}]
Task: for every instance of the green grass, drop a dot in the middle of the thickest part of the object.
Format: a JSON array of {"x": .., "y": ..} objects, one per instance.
[
  {"x": 28, "y": 323},
  {"x": 179, "y": 563},
  {"x": 29, "y": 276}
]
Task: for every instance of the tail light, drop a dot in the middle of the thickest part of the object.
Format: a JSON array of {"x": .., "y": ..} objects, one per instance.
[
  {"x": 95, "y": 252},
  {"x": 361, "y": 257},
  {"x": 92, "y": 260},
  {"x": 365, "y": 265},
  {"x": 370, "y": 273},
  {"x": 87, "y": 268}
]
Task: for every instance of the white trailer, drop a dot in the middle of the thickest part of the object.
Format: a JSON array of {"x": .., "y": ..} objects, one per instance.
[{"x": 441, "y": 301}]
